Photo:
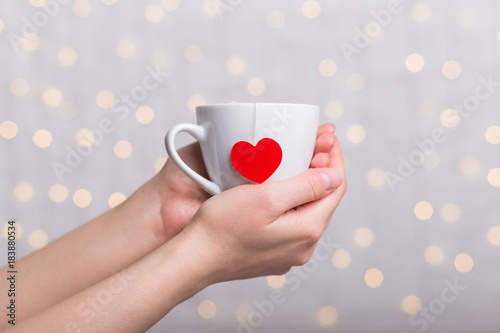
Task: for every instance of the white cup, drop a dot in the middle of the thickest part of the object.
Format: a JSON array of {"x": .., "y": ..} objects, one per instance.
[{"x": 220, "y": 127}]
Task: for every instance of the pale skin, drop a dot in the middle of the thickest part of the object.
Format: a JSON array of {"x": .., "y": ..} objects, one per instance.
[{"x": 126, "y": 269}]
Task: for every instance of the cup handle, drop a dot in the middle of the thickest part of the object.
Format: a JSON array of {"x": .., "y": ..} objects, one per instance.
[{"x": 199, "y": 134}]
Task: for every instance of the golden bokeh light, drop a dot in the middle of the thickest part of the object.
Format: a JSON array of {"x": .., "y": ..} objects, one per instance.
[
  {"x": 411, "y": 304},
  {"x": 469, "y": 166},
  {"x": 144, "y": 114},
  {"x": 52, "y": 97},
  {"x": 38, "y": 3},
  {"x": 466, "y": 18},
  {"x": 38, "y": 239},
  {"x": 159, "y": 163},
  {"x": 327, "y": 315},
  {"x": 463, "y": 263},
  {"x": 171, "y": 5},
  {"x": 244, "y": 311},
  {"x": 415, "y": 62},
  {"x": 153, "y": 13},
  {"x": 8, "y": 130},
  {"x": 327, "y": 67},
  {"x": 122, "y": 149},
  {"x": 67, "y": 56},
  {"x": 235, "y": 64},
  {"x": 82, "y": 198},
  {"x": 125, "y": 49},
  {"x": 115, "y": 199},
  {"x": 374, "y": 278},
  {"x": 193, "y": 54},
  {"x": 207, "y": 309},
  {"x": 356, "y": 134},
  {"x": 334, "y": 110},
  {"x": 30, "y": 42},
  {"x": 356, "y": 82},
  {"x": 194, "y": 101},
  {"x": 420, "y": 12},
  {"x": 341, "y": 258},
  {"x": 434, "y": 255},
  {"x": 105, "y": 99},
  {"x": 427, "y": 109},
  {"x": 82, "y": 8},
  {"x": 58, "y": 193},
  {"x": 450, "y": 118},
  {"x": 492, "y": 135},
  {"x": 430, "y": 160},
  {"x": 364, "y": 237},
  {"x": 311, "y": 9},
  {"x": 450, "y": 212},
  {"x": 1, "y": 26},
  {"x": 84, "y": 137},
  {"x": 209, "y": 7},
  {"x": 423, "y": 210},
  {"x": 494, "y": 177},
  {"x": 494, "y": 235},
  {"x": 452, "y": 69},
  {"x": 275, "y": 19},
  {"x": 276, "y": 281},
  {"x": 19, "y": 87},
  {"x": 375, "y": 178},
  {"x": 256, "y": 86},
  {"x": 23, "y": 192},
  {"x": 42, "y": 138}
]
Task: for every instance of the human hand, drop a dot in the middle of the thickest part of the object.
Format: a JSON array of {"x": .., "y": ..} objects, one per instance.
[
  {"x": 254, "y": 230},
  {"x": 180, "y": 197}
]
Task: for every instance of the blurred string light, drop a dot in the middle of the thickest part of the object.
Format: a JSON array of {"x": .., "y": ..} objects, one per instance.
[
  {"x": 275, "y": 19},
  {"x": 256, "y": 86},
  {"x": 375, "y": 178},
  {"x": 52, "y": 97},
  {"x": 423, "y": 210},
  {"x": 171, "y": 5},
  {"x": 38, "y": 3},
  {"x": 38, "y": 239},
  {"x": 82, "y": 8},
  {"x": 193, "y": 54},
  {"x": 19, "y": 87},
  {"x": 494, "y": 235},
  {"x": 469, "y": 166},
  {"x": 8, "y": 130},
  {"x": 1, "y": 26},
  {"x": 122, "y": 149},
  {"x": 207, "y": 309},
  {"x": 494, "y": 177},
  {"x": 411, "y": 304},
  {"x": 415, "y": 62},
  {"x": 463, "y": 263},
  {"x": 374, "y": 278},
  {"x": 153, "y": 13},
  {"x": 42, "y": 138},
  {"x": 67, "y": 56},
  {"x": 84, "y": 137},
  {"x": 144, "y": 114},
  {"x": 276, "y": 281},
  {"x": 195, "y": 100},
  {"x": 235, "y": 64},
  {"x": 311, "y": 9},
  {"x": 209, "y": 8},
  {"x": 30, "y": 42},
  {"x": 492, "y": 135},
  {"x": 356, "y": 134},
  {"x": 452, "y": 69},
  {"x": 327, "y": 67},
  {"x": 82, "y": 198},
  {"x": 244, "y": 311},
  {"x": 334, "y": 110},
  {"x": 356, "y": 82},
  {"x": 105, "y": 99},
  {"x": 125, "y": 49},
  {"x": 434, "y": 255},
  {"x": 58, "y": 193},
  {"x": 23, "y": 192},
  {"x": 450, "y": 213},
  {"x": 327, "y": 315},
  {"x": 420, "y": 12},
  {"x": 449, "y": 118},
  {"x": 364, "y": 237},
  {"x": 341, "y": 258},
  {"x": 115, "y": 199}
]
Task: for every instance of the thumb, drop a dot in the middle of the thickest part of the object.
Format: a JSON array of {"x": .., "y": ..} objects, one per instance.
[{"x": 311, "y": 185}]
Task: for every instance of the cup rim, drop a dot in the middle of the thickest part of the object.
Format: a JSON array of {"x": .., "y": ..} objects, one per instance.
[{"x": 250, "y": 104}]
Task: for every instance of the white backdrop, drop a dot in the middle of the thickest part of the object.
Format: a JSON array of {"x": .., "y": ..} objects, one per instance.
[{"x": 414, "y": 81}]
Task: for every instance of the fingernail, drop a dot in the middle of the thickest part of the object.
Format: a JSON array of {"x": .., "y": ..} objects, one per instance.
[{"x": 332, "y": 178}]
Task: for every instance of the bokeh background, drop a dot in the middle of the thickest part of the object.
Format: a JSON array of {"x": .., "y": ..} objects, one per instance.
[{"x": 398, "y": 244}]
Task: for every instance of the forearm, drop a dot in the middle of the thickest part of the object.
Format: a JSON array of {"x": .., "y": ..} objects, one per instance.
[
  {"x": 134, "y": 299},
  {"x": 87, "y": 255}
]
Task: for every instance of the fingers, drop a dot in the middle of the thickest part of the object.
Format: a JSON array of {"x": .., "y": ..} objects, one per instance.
[
  {"x": 320, "y": 160},
  {"x": 325, "y": 128},
  {"x": 324, "y": 143}
]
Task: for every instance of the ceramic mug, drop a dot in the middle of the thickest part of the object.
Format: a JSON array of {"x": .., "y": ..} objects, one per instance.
[{"x": 248, "y": 143}]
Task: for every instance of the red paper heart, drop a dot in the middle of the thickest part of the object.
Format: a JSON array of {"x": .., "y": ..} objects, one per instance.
[{"x": 256, "y": 163}]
